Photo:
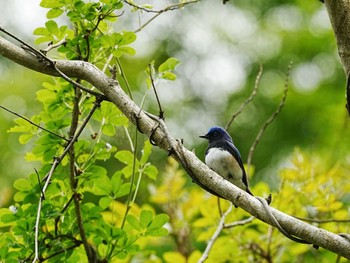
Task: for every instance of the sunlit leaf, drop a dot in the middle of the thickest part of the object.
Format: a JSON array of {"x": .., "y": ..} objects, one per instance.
[{"x": 168, "y": 65}]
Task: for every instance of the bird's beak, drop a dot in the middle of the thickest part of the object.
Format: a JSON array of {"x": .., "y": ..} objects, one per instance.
[{"x": 204, "y": 136}]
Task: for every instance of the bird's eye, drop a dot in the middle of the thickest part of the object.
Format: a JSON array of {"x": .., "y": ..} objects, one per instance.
[{"x": 215, "y": 134}]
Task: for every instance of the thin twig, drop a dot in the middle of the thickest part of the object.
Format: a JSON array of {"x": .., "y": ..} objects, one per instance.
[
  {"x": 37, "y": 221},
  {"x": 52, "y": 63},
  {"x": 34, "y": 124},
  {"x": 271, "y": 119},
  {"x": 41, "y": 189},
  {"x": 159, "y": 12},
  {"x": 128, "y": 202},
  {"x": 168, "y": 8},
  {"x": 240, "y": 223},
  {"x": 245, "y": 103},
  {"x": 161, "y": 112},
  {"x": 269, "y": 242},
  {"x": 48, "y": 176},
  {"x": 216, "y": 234},
  {"x": 63, "y": 250},
  {"x": 57, "y": 219},
  {"x": 122, "y": 74},
  {"x": 52, "y": 46},
  {"x": 76, "y": 84},
  {"x": 72, "y": 175}
]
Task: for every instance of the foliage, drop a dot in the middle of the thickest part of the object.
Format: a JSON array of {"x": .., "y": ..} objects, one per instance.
[{"x": 172, "y": 220}]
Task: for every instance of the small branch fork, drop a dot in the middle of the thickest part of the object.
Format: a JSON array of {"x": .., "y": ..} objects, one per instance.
[
  {"x": 271, "y": 119},
  {"x": 34, "y": 124},
  {"x": 216, "y": 234},
  {"x": 157, "y": 12},
  {"x": 247, "y": 101}
]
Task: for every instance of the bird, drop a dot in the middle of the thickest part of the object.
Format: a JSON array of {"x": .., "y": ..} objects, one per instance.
[{"x": 223, "y": 157}]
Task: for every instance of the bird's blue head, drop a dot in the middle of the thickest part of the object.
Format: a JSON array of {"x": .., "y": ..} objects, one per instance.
[{"x": 217, "y": 134}]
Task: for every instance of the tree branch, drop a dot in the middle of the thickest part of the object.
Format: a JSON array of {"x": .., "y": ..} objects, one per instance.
[
  {"x": 216, "y": 234},
  {"x": 195, "y": 167},
  {"x": 339, "y": 15}
]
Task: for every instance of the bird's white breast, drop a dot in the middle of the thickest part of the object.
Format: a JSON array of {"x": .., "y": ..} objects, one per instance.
[{"x": 224, "y": 164}]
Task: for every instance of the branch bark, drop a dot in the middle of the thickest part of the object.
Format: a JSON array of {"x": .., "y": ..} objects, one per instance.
[
  {"x": 339, "y": 15},
  {"x": 199, "y": 172}
]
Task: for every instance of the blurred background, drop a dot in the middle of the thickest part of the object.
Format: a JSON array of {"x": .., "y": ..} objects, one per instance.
[{"x": 220, "y": 48}]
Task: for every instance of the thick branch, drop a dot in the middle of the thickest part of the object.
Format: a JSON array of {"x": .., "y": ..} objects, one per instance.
[
  {"x": 196, "y": 168},
  {"x": 339, "y": 15}
]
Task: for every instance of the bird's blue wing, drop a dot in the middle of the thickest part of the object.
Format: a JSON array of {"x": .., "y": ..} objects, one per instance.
[{"x": 230, "y": 147}]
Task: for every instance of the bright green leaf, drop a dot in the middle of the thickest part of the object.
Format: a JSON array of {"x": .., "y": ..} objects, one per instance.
[
  {"x": 168, "y": 75},
  {"x": 116, "y": 182},
  {"x": 126, "y": 50},
  {"x": 52, "y": 27},
  {"x": 168, "y": 65},
  {"x": 146, "y": 217},
  {"x": 127, "y": 38},
  {"x": 159, "y": 221},
  {"x": 54, "y": 12},
  {"x": 125, "y": 157},
  {"x": 134, "y": 222},
  {"x": 40, "y": 40},
  {"x": 41, "y": 31},
  {"x": 51, "y": 3},
  {"x": 24, "y": 138},
  {"x": 157, "y": 232},
  {"x": 22, "y": 185},
  {"x": 124, "y": 190},
  {"x": 151, "y": 171}
]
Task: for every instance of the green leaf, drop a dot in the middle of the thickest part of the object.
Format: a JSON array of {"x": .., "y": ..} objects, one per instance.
[
  {"x": 126, "y": 50},
  {"x": 127, "y": 38},
  {"x": 124, "y": 190},
  {"x": 52, "y": 27},
  {"x": 108, "y": 129},
  {"x": 168, "y": 75},
  {"x": 22, "y": 126},
  {"x": 40, "y": 40},
  {"x": 54, "y": 12},
  {"x": 168, "y": 65},
  {"x": 159, "y": 221},
  {"x": 151, "y": 171},
  {"x": 22, "y": 185},
  {"x": 105, "y": 201},
  {"x": 116, "y": 182},
  {"x": 125, "y": 157},
  {"x": 45, "y": 95},
  {"x": 132, "y": 220},
  {"x": 96, "y": 171},
  {"x": 146, "y": 217},
  {"x": 51, "y": 3},
  {"x": 79, "y": 6},
  {"x": 102, "y": 185},
  {"x": 157, "y": 232},
  {"x": 41, "y": 31}
]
